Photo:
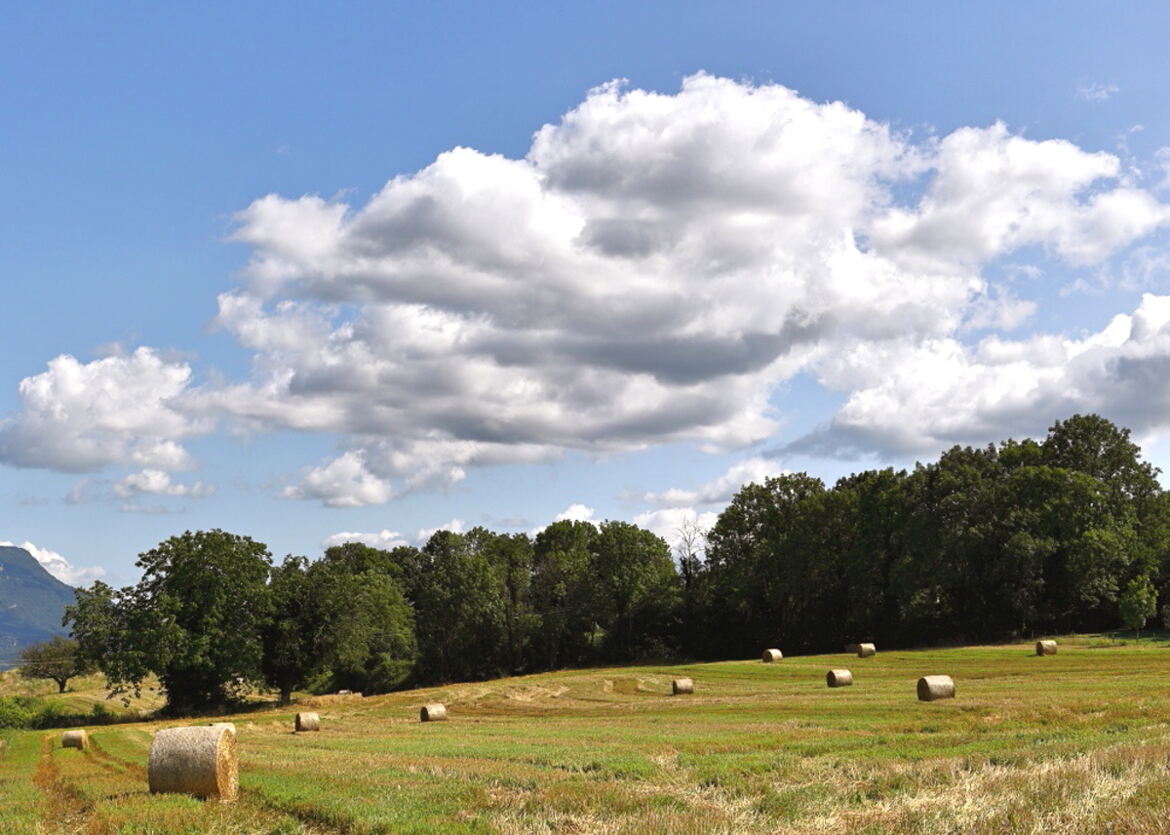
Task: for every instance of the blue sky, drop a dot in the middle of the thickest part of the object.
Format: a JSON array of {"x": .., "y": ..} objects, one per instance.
[{"x": 797, "y": 236}]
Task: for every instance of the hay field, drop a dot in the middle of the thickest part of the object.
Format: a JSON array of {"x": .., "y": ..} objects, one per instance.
[{"x": 1077, "y": 742}]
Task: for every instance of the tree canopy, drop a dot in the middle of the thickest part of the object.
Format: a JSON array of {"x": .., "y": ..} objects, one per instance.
[{"x": 1021, "y": 537}]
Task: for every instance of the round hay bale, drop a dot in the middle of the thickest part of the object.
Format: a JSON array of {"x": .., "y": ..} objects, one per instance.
[
  {"x": 230, "y": 727},
  {"x": 839, "y": 678},
  {"x": 344, "y": 692},
  {"x": 308, "y": 722},
  {"x": 196, "y": 761},
  {"x": 433, "y": 713},
  {"x": 931, "y": 688},
  {"x": 75, "y": 739},
  {"x": 681, "y": 686},
  {"x": 1046, "y": 647},
  {"x": 866, "y": 650},
  {"x": 771, "y": 655}
]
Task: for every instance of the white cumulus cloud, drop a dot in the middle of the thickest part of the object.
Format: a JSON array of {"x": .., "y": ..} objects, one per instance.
[{"x": 122, "y": 410}]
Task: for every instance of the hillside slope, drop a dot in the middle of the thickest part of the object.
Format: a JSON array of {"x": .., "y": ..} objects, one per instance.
[{"x": 32, "y": 602}]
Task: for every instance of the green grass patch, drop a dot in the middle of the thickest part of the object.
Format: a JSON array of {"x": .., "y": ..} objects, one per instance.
[{"x": 1063, "y": 743}]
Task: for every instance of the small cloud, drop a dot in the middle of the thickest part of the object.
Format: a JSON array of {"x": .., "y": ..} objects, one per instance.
[
  {"x": 1096, "y": 91},
  {"x": 386, "y": 539},
  {"x": 159, "y": 483},
  {"x": 1162, "y": 160},
  {"x": 454, "y": 526},
  {"x": 144, "y": 509},
  {"x": 721, "y": 489},
  {"x": 60, "y": 567},
  {"x": 575, "y": 513},
  {"x": 342, "y": 482},
  {"x": 283, "y": 150}
]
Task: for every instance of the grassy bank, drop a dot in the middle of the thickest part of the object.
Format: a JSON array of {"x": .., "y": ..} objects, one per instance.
[{"x": 1076, "y": 742}]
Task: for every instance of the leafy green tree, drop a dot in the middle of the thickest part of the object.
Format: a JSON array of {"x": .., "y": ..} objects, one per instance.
[
  {"x": 58, "y": 659},
  {"x": 459, "y": 613},
  {"x": 638, "y": 590},
  {"x": 345, "y": 616},
  {"x": 562, "y": 593},
  {"x": 290, "y": 657},
  {"x": 194, "y": 619},
  {"x": 363, "y": 627},
  {"x": 1138, "y": 603},
  {"x": 97, "y": 625},
  {"x": 511, "y": 559},
  {"x": 1092, "y": 445},
  {"x": 757, "y": 564}
]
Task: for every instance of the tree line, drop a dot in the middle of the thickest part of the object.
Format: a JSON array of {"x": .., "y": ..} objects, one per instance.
[{"x": 1071, "y": 533}]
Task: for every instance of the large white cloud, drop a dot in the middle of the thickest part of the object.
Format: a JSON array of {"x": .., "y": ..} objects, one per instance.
[{"x": 652, "y": 271}]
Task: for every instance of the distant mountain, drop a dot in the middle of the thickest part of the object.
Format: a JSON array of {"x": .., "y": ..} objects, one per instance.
[{"x": 32, "y": 602}]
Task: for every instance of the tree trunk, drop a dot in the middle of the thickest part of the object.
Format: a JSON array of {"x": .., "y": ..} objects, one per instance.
[
  {"x": 61, "y": 682},
  {"x": 285, "y": 694}
]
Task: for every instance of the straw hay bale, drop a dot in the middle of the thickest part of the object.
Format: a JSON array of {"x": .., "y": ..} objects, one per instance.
[
  {"x": 771, "y": 655},
  {"x": 307, "y": 722},
  {"x": 230, "y": 727},
  {"x": 935, "y": 687},
  {"x": 1046, "y": 647},
  {"x": 866, "y": 650},
  {"x": 75, "y": 739},
  {"x": 839, "y": 678},
  {"x": 197, "y": 761},
  {"x": 433, "y": 713},
  {"x": 681, "y": 686}
]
